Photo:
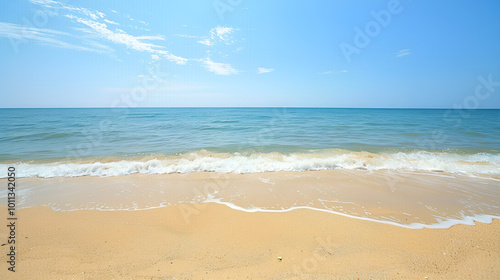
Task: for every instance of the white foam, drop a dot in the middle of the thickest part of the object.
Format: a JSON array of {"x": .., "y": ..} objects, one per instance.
[
  {"x": 441, "y": 224},
  {"x": 201, "y": 161}
]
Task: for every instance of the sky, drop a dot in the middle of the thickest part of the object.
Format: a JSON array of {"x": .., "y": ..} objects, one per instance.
[{"x": 259, "y": 53}]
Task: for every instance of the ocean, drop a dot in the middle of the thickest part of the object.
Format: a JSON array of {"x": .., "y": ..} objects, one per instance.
[{"x": 120, "y": 141}]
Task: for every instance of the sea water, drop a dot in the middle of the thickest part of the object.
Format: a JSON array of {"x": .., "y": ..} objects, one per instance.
[{"x": 120, "y": 141}]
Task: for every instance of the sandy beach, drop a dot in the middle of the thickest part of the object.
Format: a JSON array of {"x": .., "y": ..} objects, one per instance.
[
  {"x": 222, "y": 243},
  {"x": 331, "y": 224},
  {"x": 230, "y": 139}
]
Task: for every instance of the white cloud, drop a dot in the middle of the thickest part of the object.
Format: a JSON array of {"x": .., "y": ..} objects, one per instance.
[
  {"x": 262, "y": 70},
  {"x": 41, "y": 35},
  {"x": 217, "y": 34},
  {"x": 222, "y": 32},
  {"x": 94, "y": 15},
  {"x": 403, "y": 52},
  {"x": 218, "y": 68},
  {"x": 157, "y": 37},
  {"x": 99, "y": 45},
  {"x": 110, "y": 22},
  {"x": 206, "y": 42},
  {"x": 97, "y": 26},
  {"x": 45, "y": 3},
  {"x": 121, "y": 37},
  {"x": 55, "y": 6},
  {"x": 174, "y": 58},
  {"x": 15, "y": 30},
  {"x": 49, "y": 5}
]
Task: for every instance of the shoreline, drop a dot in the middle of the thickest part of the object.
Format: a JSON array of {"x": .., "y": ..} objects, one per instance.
[
  {"x": 474, "y": 163},
  {"x": 212, "y": 241},
  {"x": 405, "y": 199},
  {"x": 326, "y": 224}
]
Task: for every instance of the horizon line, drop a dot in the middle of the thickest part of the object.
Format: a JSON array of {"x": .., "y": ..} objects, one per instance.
[{"x": 294, "y": 107}]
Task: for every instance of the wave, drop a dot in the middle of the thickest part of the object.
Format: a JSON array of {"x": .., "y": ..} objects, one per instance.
[{"x": 248, "y": 162}]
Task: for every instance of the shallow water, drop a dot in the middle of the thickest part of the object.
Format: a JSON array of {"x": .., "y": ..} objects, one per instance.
[{"x": 109, "y": 142}]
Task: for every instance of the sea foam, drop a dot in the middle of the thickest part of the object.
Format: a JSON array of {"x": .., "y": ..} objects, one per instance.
[{"x": 206, "y": 161}]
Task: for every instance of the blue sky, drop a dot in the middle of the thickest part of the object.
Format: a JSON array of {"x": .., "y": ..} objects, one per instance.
[{"x": 409, "y": 54}]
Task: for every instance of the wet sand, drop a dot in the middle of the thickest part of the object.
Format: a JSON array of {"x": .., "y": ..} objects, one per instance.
[
  {"x": 340, "y": 224},
  {"x": 432, "y": 199}
]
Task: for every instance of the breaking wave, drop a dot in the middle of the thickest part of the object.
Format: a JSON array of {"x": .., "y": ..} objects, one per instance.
[{"x": 248, "y": 162}]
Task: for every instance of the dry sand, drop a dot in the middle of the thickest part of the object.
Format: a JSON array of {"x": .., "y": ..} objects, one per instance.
[{"x": 217, "y": 242}]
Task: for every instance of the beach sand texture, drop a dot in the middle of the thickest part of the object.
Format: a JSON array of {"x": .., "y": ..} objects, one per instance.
[
  {"x": 200, "y": 237},
  {"x": 222, "y": 243}
]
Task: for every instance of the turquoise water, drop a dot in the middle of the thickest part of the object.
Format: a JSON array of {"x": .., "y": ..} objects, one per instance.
[{"x": 247, "y": 135}]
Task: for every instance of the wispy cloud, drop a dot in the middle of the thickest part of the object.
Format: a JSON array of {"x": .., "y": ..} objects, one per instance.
[
  {"x": 97, "y": 25},
  {"x": 403, "y": 52},
  {"x": 110, "y": 22},
  {"x": 55, "y": 6},
  {"x": 206, "y": 42},
  {"x": 137, "y": 24},
  {"x": 43, "y": 36},
  {"x": 218, "y": 68},
  {"x": 223, "y": 33},
  {"x": 262, "y": 70},
  {"x": 155, "y": 37},
  {"x": 216, "y": 34},
  {"x": 118, "y": 37},
  {"x": 121, "y": 37},
  {"x": 96, "y": 30},
  {"x": 45, "y": 3}
]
